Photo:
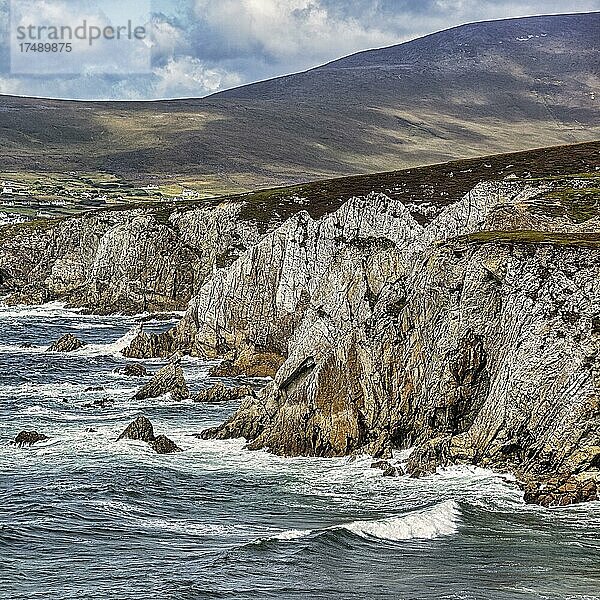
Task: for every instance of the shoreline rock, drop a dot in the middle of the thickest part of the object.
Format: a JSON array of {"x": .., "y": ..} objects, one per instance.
[
  {"x": 163, "y": 445},
  {"x": 169, "y": 380},
  {"x": 221, "y": 393},
  {"x": 134, "y": 370},
  {"x": 67, "y": 343},
  {"x": 142, "y": 430},
  {"x": 28, "y": 438},
  {"x": 563, "y": 490}
]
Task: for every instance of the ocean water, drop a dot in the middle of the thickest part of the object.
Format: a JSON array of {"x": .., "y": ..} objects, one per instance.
[{"x": 83, "y": 516}]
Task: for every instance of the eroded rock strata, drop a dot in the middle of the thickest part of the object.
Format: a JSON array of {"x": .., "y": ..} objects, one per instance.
[
  {"x": 121, "y": 260},
  {"x": 471, "y": 336},
  {"x": 473, "y": 339}
]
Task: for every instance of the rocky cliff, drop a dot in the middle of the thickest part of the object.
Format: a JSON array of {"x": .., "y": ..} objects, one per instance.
[
  {"x": 472, "y": 338},
  {"x": 468, "y": 331},
  {"x": 141, "y": 259}
]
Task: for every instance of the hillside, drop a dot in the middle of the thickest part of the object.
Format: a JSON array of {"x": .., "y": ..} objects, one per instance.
[{"x": 478, "y": 89}]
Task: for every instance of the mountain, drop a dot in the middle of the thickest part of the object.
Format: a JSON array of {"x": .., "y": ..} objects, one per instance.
[{"x": 477, "y": 89}]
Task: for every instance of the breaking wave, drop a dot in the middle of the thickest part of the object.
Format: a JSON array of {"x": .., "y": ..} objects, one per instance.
[{"x": 440, "y": 520}]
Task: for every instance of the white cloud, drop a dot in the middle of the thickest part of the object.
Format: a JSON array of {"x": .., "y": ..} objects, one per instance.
[
  {"x": 188, "y": 76},
  {"x": 288, "y": 31}
]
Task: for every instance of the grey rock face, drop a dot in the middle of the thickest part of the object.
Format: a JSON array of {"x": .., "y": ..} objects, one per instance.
[
  {"x": 122, "y": 260},
  {"x": 249, "y": 311},
  {"x": 221, "y": 393},
  {"x": 28, "y": 438},
  {"x": 465, "y": 347},
  {"x": 169, "y": 380},
  {"x": 67, "y": 343}
]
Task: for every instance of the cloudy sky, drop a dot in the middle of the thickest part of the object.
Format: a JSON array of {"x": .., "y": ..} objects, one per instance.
[{"x": 202, "y": 46}]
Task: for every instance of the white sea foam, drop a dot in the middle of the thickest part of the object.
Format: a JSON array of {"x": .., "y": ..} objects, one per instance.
[
  {"x": 439, "y": 520},
  {"x": 52, "y": 309},
  {"x": 110, "y": 349}
]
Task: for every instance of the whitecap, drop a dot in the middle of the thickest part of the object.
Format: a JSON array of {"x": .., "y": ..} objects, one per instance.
[
  {"x": 51, "y": 309},
  {"x": 440, "y": 520}
]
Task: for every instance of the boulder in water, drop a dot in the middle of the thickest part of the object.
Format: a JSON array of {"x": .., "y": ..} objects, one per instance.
[
  {"x": 388, "y": 469},
  {"x": 140, "y": 429},
  {"x": 163, "y": 445},
  {"x": 563, "y": 490},
  {"x": 225, "y": 368},
  {"x": 169, "y": 379},
  {"x": 150, "y": 346},
  {"x": 28, "y": 438},
  {"x": 134, "y": 370},
  {"x": 221, "y": 393},
  {"x": 67, "y": 343},
  {"x": 99, "y": 403}
]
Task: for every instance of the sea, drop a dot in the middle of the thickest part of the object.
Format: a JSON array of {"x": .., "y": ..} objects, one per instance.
[{"x": 84, "y": 516}]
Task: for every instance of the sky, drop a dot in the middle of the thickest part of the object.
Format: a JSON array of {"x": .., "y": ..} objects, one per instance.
[{"x": 198, "y": 47}]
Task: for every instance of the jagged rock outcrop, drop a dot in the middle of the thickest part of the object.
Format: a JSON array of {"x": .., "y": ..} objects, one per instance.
[
  {"x": 141, "y": 429},
  {"x": 67, "y": 343},
  {"x": 387, "y": 468},
  {"x": 473, "y": 337},
  {"x": 169, "y": 380},
  {"x": 115, "y": 260},
  {"x": 28, "y": 438},
  {"x": 152, "y": 346},
  {"x": 563, "y": 490},
  {"x": 469, "y": 341},
  {"x": 134, "y": 370},
  {"x": 248, "y": 312},
  {"x": 221, "y": 393},
  {"x": 163, "y": 445}
]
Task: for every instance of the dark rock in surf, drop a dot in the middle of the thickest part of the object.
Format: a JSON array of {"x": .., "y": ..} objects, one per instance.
[
  {"x": 221, "y": 393},
  {"x": 67, "y": 343},
  {"x": 151, "y": 346},
  {"x": 161, "y": 317},
  {"x": 100, "y": 403},
  {"x": 163, "y": 445},
  {"x": 28, "y": 438},
  {"x": 563, "y": 490},
  {"x": 140, "y": 429},
  {"x": 388, "y": 469},
  {"x": 169, "y": 380},
  {"x": 134, "y": 370}
]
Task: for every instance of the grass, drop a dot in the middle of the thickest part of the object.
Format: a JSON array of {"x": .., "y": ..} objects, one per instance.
[
  {"x": 582, "y": 240},
  {"x": 437, "y": 186},
  {"x": 579, "y": 205}
]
